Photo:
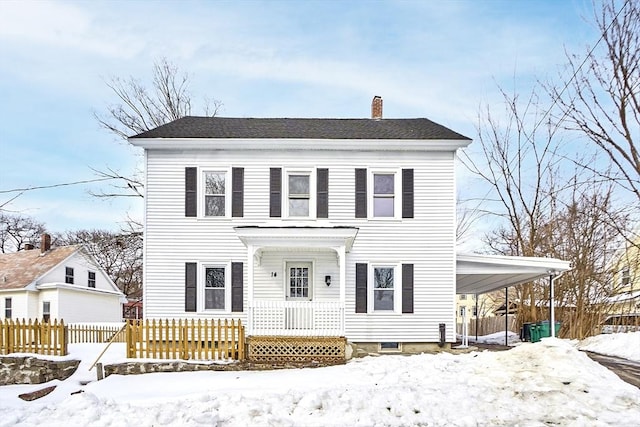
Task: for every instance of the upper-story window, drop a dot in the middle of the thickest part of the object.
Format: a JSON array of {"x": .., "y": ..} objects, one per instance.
[
  {"x": 215, "y": 194},
  {"x": 299, "y": 194},
  {"x": 68, "y": 275},
  {"x": 384, "y": 195},
  {"x": 625, "y": 276},
  {"x": 91, "y": 279}
]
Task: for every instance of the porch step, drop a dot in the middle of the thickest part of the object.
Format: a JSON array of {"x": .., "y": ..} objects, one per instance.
[{"x": 287, "y": 349}]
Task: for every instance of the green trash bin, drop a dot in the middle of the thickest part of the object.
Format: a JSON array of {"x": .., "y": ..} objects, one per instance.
[
  {"x": 557, "y": 328},
  {"x": 543, "y": 328},
  {"x": 534, "y": 330}
]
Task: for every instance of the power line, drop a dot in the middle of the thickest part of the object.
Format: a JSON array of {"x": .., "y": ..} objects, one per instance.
[{"x": 66, "y": 184}]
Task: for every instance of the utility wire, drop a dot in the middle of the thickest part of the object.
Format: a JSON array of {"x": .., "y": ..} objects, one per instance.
[{"x": 15, "y": 190}]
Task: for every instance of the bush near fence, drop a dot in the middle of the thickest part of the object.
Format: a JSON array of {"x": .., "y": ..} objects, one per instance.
[
  {"x": 96, "y": 333},
  {"x": 202, "y": 339},
  {"x": 33, "y": 336}
]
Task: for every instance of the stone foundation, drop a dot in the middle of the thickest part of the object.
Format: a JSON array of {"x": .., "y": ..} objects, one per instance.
[
  {"x": 136, "y": 368},
  {"x": 31, "y": 370},
  {"x": 362, "y": 349}
]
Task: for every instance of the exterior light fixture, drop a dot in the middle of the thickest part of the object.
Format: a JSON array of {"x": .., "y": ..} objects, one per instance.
[{"x": 327, "y": 280}]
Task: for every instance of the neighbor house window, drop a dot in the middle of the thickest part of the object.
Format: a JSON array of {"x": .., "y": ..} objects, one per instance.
[
  {"x": 214, "y": 288},
  {"x": 68, "y": 275},
  {"x": 46, "y": 311},
  {"x": 625, "y": 276},
  {"x": 214, "y": 194},
  {"x": 299, "y": 195},
  {"x": 384, "y": 195},
  {"x": 7, "y": 308},
  {"x": 91, "y": 281},
  {"x": 383, "y": 288}
]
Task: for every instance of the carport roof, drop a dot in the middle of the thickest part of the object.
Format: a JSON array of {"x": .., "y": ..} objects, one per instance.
[{"x": 478, "y": 274}]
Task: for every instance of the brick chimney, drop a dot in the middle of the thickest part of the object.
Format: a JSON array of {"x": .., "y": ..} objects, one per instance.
[
  {"x": 376, "y": 108},
  {"x": 45, "y": 243}
]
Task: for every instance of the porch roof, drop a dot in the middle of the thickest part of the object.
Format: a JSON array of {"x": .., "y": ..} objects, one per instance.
[
  {"x": 297, "y": 236},
  {"x": 478, "y": 274}
]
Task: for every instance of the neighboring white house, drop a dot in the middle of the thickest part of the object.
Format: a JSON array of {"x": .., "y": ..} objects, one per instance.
[
  {"x": 63, "y": 283},
  {"x": 305, "y": 227}
]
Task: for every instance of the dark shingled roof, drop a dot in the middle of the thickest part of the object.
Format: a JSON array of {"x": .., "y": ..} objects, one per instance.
[{"x": 250, "y": 128}]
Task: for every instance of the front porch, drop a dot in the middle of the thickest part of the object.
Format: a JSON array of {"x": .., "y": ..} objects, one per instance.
[
  {"x": 296, "y": 280},
  {"x": 296, "y": 318}
]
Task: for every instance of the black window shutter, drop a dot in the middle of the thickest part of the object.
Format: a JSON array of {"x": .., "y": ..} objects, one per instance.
[
  {"x": 275, "y": 192},
  {"x": 361, "y": 288},
  {"x": 322, "y": 196},
  {"x": 237, "y": 196},
  {"x": 237, "y": 281},
  {"x": 361, "y": 193},
  {"x": 407, "y": 193},
  {"x": 407, "y": 288},
  {"x": 190, "y": 191},
  {"x": 190, "y": 286}
]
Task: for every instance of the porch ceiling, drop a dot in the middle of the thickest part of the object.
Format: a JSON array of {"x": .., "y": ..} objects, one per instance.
[
  {"x": 301, "y": 237},
  {"x": 478, "y": 274}
]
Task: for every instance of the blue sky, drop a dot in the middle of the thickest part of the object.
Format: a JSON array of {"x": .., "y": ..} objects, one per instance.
[{"x": 432, "y": 59}]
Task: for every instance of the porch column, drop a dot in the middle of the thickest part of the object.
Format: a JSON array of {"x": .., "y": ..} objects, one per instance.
[
  {"x": 342, "y": 257},
  {"x": 250, "y": 261}
]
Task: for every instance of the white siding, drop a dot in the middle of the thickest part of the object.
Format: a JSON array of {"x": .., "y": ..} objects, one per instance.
[
  {"x": 83, "y": 306},
  {"x": 427, "y": 240},
  {"x": 81, "y": 267}
]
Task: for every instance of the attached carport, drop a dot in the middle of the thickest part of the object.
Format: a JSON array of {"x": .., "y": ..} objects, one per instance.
[{"x": 479, "y": 274}]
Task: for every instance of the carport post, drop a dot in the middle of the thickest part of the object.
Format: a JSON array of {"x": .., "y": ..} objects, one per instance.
[
  {"x": 552, "y": 311},
  {"x": 506, "y": 316},
  {"x": 476, "y": 317}
]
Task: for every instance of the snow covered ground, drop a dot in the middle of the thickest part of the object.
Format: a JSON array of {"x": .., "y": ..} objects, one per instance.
[{"x": 546, "y": 383}]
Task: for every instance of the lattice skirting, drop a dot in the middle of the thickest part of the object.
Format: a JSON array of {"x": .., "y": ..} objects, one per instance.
[{"x": 283, "y": 349}]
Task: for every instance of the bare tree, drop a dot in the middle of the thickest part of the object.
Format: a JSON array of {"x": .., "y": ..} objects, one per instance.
[
  {"x": 140, "y": 108},
  {"x": 518, "y": 166},
  {"x": 548, "y": 207},
  {"x": 17, "y": 230},
  {"x": 601, "y": 98},
  {"x": 119, "y": 254}
]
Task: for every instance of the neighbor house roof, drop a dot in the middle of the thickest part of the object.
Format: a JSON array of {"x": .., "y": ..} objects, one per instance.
[
  {"x": 285, "y": 128},
  {"x": 19, "y": 269}
]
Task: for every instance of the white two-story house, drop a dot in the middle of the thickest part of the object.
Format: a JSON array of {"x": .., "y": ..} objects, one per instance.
[{"x": 305, "y": 227}]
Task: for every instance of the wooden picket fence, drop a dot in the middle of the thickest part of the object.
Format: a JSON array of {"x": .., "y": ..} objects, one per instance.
[
  {"x": 33, "y": 336},
  {"x": 489, "y": 325},
  {"x": 202, "y": 339},
  {"x": 88, "y": 333}
]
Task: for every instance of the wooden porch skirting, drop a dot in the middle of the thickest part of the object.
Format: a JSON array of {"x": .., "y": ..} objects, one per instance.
[{"x": 284, "y": 349}]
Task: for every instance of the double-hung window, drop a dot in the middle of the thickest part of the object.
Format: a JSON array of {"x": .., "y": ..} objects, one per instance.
[
  {"x": 384, "y": 288},
  {"x": 215, "y": 197},
  {"x": 625, "y": 276},
  {"x": 8, "y": 308},
  {"x": 68, "y": 275},
  {"x": 91, "y": 279},
  {"x": 214, "y": 288},
  {"x": 384, "y": 195},
  {"x": 46, "y": 311},
  {"x": 299, "y": 195}
]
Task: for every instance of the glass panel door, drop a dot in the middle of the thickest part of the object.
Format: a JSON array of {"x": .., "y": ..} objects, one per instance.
[{"x": 299, "y": 281}]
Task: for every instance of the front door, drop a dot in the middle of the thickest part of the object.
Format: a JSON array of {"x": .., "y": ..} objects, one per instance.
[{"x": 299, "y": 281}]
